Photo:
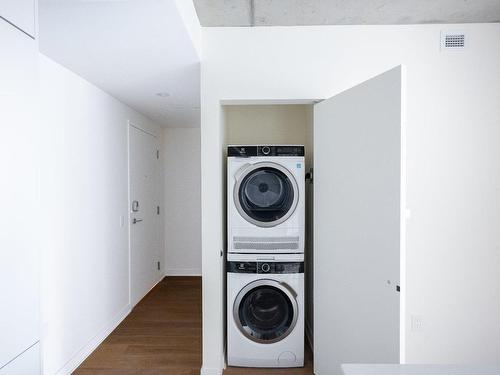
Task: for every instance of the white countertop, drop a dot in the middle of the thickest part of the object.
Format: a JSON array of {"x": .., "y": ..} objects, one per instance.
[{"x": 380, "y": 369}]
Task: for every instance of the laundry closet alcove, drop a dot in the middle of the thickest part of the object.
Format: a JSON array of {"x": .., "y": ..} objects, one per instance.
[{"x": 354, "y": 212}]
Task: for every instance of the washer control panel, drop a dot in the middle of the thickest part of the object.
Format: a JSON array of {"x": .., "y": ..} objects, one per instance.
[
  {"x": 265, "y": 150},
  {"x": 265, "y": 267}
]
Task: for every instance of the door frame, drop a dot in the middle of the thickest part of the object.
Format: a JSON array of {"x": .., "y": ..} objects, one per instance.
[{"x": 405, "y": 212}]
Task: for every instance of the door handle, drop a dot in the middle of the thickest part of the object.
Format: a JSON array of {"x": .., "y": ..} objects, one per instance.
[{"x": 135, "y": 221}]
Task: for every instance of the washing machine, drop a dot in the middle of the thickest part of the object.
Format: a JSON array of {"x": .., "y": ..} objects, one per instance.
[
  {"x": 265, "y": 199},
  {"x": 265, "y": 310}
]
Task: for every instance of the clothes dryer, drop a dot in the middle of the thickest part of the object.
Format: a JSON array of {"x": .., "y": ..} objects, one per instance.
[{"x": 265, "y": 199}]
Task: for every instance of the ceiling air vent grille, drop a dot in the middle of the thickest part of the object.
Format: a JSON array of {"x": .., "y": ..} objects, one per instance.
[{"x": 452, "y": 40}]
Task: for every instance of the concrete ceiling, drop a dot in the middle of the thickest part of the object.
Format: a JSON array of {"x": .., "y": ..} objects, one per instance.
[
  {"x": 344, "y": 12},
  {"x": 140, "y": 51}
]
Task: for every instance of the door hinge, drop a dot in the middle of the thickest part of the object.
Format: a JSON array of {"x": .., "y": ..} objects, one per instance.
[
  {"x": 158, "y": 154},
  {"x": 157, "y": 210},
  {"x": 158, "y": 265}
]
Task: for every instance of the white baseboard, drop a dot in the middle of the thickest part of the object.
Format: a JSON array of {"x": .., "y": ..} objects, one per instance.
[
  {"x": 80, "y": 356},
  {"x": 210, "y": 371},
  {"x": 310, "y": 337},
  {"x": 183, "y": 272}
]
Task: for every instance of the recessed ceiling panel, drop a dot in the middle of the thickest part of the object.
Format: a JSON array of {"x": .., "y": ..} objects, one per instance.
[{"x": 131, "y": 49}]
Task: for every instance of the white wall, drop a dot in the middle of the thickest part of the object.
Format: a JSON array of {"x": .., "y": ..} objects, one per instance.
[
  {"x": 453, "y": 150},
  {"x": 181, "y": 161},
  {"x": 85, "y": 215},
  {"x": 271, "y": 124}
]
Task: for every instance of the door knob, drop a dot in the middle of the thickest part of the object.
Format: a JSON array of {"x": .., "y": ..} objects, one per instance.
[{"x": 135, "y": 221}]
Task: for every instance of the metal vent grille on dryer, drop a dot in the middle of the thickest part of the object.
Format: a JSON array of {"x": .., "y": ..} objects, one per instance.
[
  {"x": 266, "y": 243},
  {"x": 453, "y": 40}
]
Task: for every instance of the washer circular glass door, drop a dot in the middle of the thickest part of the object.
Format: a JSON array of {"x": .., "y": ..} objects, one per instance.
[
  {"x": 266, "y": 194},
  {"x": 265, "y": 311}
]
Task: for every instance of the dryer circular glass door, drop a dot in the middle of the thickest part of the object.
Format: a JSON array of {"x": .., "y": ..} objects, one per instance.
[
  {"x": 265, "y": 311},
  {"x": 266, "y": 194}
]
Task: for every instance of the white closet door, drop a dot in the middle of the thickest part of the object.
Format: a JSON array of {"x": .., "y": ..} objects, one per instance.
[
  {"x": 27, "y": 363},
  {"x": 358, "y": 224},
  {"x": 19, "y": 219},
  {"x": 20, "y": 13}
]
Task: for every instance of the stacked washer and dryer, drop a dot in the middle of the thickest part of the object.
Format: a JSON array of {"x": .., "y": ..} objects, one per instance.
[{"x": 265, "y": 259}]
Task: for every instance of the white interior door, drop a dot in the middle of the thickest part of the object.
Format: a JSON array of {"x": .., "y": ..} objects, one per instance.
[
  {"x": 20, "y": 13},
  {"x": 145, "y": 238},
  {"x": 358, "y": 224}
]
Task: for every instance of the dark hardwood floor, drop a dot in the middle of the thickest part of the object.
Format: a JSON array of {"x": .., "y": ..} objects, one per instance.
[{"x": 162, "y": 335}]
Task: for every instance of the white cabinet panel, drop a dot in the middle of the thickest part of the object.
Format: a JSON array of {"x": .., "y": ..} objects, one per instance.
[
  {"x": 19, "y": 256},
  {"x": 357, "y": 224},
  {"x": 20, "y": 13},
  {"x": 28, "y": 363}
]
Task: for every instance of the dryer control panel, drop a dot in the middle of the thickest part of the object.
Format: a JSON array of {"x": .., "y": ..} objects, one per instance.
[
  {"x": 265, "y": 150},
  {"x": 265, "y": 267}
]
